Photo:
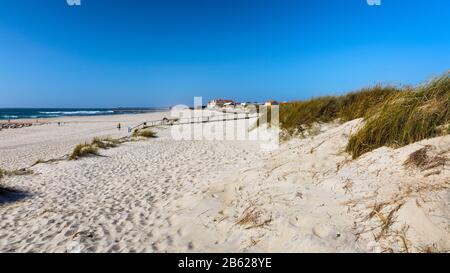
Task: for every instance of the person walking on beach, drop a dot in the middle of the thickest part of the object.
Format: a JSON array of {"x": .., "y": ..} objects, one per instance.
[{"x": 119, "y": 126}]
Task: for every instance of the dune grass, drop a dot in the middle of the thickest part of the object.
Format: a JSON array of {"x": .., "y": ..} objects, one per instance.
[
  {"x": 146, "y": 133},
  {"x": 394, "y": 116},
  {"x": 407, "y": 117},
  {"x": 105, "y": 143},
  {"x": 86, "y": 149},
  {"x": 296, "y": 117},
  {"x": 82, "y": 150}
]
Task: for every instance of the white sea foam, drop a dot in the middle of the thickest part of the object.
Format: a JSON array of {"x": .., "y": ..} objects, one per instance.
[{"x": 77, "y": 112}]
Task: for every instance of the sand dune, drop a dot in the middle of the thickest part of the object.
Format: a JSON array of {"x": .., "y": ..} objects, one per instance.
[{"x": 309, "y": 196}]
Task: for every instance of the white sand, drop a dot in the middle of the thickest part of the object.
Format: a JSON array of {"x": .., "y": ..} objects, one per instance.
[
  {"x": 191, "y": 195},
  {"x": 309, "y": 196},
  {"x": 22, "y": 147},
  {"x": 125, "y": 200}
]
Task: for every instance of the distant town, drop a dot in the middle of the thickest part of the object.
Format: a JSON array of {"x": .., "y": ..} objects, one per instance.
[{"x": 226, "y": 103}]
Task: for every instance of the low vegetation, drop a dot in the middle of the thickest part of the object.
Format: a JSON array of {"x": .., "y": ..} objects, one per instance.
[
  {"x": 92, "y": 148},
  {"x": 407, "y": 117},
  {"x": 23, "y": 171},
  {"x": 82, "y": 150},
  {"x": 296, "y": 117},
  {"x": 394, "y": 116},
  {"x": 86, "y": 149},
  {"x": 146, "y": 133},
  {"x": 39, "y": 161},
  {"x": 105, "y": 143}
]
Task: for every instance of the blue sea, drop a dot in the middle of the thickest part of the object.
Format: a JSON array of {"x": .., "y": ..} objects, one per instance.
[{"x": 32, "y": 113}]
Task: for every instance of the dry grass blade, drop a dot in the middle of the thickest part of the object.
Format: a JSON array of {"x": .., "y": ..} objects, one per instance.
[
  {"x": 418, "y": 158},
  {"x": 348, "y": 185},
  {"x": 252, "y": 218},
  {"x": 432, "y": 248},
  {"x": 422, "y": 160},
  {"x": 385, "y": 220}
]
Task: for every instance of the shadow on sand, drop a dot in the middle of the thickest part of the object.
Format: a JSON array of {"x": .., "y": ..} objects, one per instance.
[{"x": 9, "y": 195}]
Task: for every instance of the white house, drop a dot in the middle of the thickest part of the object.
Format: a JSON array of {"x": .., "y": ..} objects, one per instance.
[{"x": 218, "y": 103}]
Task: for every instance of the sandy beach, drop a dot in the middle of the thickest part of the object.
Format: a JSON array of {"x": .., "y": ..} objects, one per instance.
[
  {"x": 166, "y": 195},
  {"x": 127, "y": 199},
  {"x": 225, "y": 127}
]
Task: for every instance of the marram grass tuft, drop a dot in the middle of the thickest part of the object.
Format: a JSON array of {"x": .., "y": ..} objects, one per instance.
[
  {"x": 407, "y": 117},
  {"x": 393, "y": 116}
]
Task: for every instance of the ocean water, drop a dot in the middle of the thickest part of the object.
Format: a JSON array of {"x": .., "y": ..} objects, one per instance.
[{"x": 31, "y": 113}]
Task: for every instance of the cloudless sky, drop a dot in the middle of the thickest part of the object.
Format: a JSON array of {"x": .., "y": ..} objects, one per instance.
[{"x": 111, "y": 53}]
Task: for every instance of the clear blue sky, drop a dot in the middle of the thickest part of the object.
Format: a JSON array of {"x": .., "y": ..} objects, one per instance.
[{"x": 108, "y": 53}]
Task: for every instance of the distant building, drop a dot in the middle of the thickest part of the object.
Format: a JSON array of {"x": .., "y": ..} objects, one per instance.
[
  {"x": 229, "y": 104},
  {"x": 218, "y": 103},
  {"x": 271, "y": 103}
]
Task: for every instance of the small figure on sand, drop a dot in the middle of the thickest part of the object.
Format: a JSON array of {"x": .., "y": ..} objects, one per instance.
[{"x": 119, "y": 126}]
